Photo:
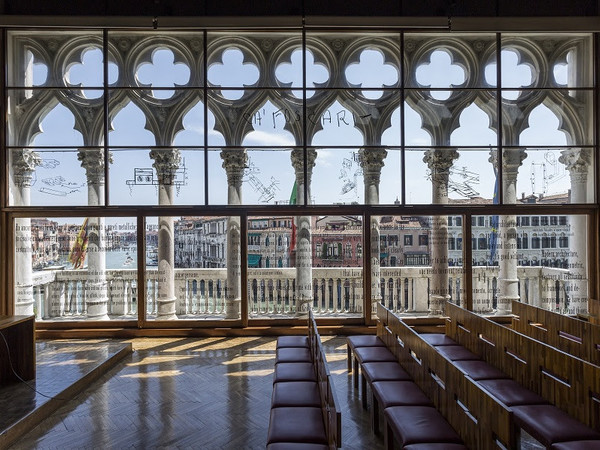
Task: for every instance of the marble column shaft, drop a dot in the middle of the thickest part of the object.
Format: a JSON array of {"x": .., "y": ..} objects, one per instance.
[
  {"x": 234, "y": 163},
  {"x": 166, "y": 162},
  {"x": 23, "y": 164}
]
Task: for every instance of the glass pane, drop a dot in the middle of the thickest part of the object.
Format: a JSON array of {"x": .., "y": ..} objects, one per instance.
[
  {"x": 193, "y": 268},
  {"x": 289, "y": 268},
  {"x": 262, "y": 119},
  {"x": 546, "y": 254},
  {"x": 366, "y": 60},
  {"x": 76, "y": 268},
  {"x": 561, "y": 117},
  {"x": 160, "y": 61},
  {"x": 549, "y": 175},
  {"x": 55, "y": 124},
  {"x": 547, "y": 60},
  {"x": 442, "y": 61},
  {"x": 237, "y": 61},
  {"x": 57, "y": 58},
  {"x": 420, "y": 263},
  {"x": 337, "y": 118},
  {"x": 450, "y": 175},
  {"x": 57, "y": 177}
]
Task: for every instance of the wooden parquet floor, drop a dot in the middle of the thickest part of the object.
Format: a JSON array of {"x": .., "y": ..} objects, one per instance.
[{"x": 207, "y": 393}]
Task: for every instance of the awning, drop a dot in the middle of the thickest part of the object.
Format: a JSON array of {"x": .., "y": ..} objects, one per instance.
[{"x": 253, "y": 260}]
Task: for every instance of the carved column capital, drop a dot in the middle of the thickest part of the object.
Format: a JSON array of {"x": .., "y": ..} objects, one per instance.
[
  {"x": 576, "y": 160},
  {"x": 439, "y": 162},
  {"x": 24, "y": 162},
  {"x": 235, "y": 161},
  {"x": 298, "y": 163},
  {"x": 166, "y": 162},
  {"x": 92, "y": 160},
  {"x": 372, "y": 161}
]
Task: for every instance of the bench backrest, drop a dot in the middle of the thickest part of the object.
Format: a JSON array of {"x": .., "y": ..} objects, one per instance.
[
  {"x": 332, "y": 416},
  {"x": 479, "y": 418},
  {"x": 566, "y": 381},
  {"x": 571, "y": 335}
]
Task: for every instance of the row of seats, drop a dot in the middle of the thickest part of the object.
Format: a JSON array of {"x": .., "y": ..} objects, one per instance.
[
  {"x": 304, "y": 412},
  {"x": 409, "y": 414},
  {"x": 531, "y": 412}
]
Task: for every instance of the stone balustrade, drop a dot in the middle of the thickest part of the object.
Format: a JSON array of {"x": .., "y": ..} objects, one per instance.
[{"x": 337, "y": 292}]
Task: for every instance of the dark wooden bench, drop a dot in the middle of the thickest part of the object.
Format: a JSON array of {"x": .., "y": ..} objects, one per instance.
[
  {"x": 304, "y": 412},
  {"x": 460, "y": 412},
  {"x": 553, "y": 396},
  {"x": 571, "y": 335},
  {"x": 17, "y": 349}
]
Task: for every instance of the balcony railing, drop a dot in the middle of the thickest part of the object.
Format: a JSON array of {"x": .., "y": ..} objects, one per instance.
[{"x": 337, "y": 292}]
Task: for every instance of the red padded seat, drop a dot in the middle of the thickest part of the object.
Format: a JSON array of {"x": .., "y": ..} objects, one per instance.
[
  {"x": 456, "y": 353},
  {"x": 550, "y": 425},
  {"x": 436, "y": 446},
  {"x": 292, "y": 354},
  {"x": 300, "y": 371},
  {"x": 511, "y": 393},
  {"x": 296, "y": 446},
  {"x": 397, "y": 393},
  {"x": 419, "y": 425},
  {"x": 374, "y": 354},
  {"x": 295, "y": 393},
  {"x": 364, "y": 340},
  {"x": 577, "y": 445},
  {"x": 480, "y": 370},
  {"x": 292, "y": 341},
  {"x": 384, "y": 371},
  {"x": 436, "y": 339},
  {"x": 297, "y": 424}
]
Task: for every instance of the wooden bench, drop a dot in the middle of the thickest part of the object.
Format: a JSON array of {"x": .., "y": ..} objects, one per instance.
[
  {"x": 304, "y": 412},
  {"x": 479, "y": 419},
  {"x": 552, "y": 395},
  {"x": 574, "y": 336},
  {"x": 18, "y": 334}
]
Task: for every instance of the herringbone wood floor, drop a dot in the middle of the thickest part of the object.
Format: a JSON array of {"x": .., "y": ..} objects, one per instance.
[{"x": 210, "y": 393}]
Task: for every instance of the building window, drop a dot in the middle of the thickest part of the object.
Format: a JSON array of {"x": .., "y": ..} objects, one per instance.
[
  {"x": 423, "y": 239},
  {"x": 408, "y": 239}
]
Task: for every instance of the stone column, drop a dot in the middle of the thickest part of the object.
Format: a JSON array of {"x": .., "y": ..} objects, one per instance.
[
  {"x": 508, "y": 282},
  {"x": 234, "y": 163},
  {"x": 96, "y": 285},
  {"x": 578, "y": 162},
  {"x": 304, "y": 285},
  {"x": 371, "y": 161},
  {"x": 23, "y": 164},
  {"x": 166, "y": 162},
  {"x": 439, "y": 163}
]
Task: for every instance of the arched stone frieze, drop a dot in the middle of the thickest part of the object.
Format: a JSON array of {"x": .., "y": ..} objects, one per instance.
[
  {"x": 387, "y": 46},
  {"x": 137, "y": 49}
]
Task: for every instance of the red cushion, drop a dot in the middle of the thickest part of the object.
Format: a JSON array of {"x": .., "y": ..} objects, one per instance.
[
  {"x": 437, "y": 339},
  {"x": 419, "y": 424},
  {"x": 577, "y": 445},
  {"x": 511, "y": 393},
  {"x": 298, "y": 424},
  {"x": 374, "y": 354},
  {"x": 296, "y": 446},
  {"x": 295, "y": 393},
  {"x": 293, "y": 354},
  {"x": 456, "y": 353},
  {"x": 396, "y": 393},
  {"x": 436, "y": 446},
  {"x": 364, "y": 340},
  {"x": 480, "y": 370},
  {"x": 300, "y": 371},
  {"x": 292, "y": 341},
  {"x": 384, "y": 371},
  {"x": 549, "y": 425}
]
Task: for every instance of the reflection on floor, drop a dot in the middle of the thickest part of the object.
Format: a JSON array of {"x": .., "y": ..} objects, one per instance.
[
  {"x": 63, "y": 369},
  {"x": 209, "y": 393}
]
